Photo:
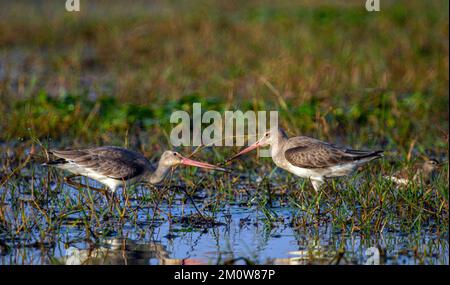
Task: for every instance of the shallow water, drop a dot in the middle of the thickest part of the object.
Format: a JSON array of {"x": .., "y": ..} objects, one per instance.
[{"x": 240, "y": 234}]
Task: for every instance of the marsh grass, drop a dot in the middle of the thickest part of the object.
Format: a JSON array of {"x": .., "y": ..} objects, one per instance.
[{"x": 38, "y": 207}]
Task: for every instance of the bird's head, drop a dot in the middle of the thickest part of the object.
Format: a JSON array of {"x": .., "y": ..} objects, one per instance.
[
  {"x": 431, "y": 165},
  {"x": 270, "y": 137}
]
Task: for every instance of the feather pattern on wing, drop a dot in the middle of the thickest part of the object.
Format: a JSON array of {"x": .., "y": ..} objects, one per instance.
[
  {"x": 307, "y": 152},
  {"x": 112, "y": 162}
]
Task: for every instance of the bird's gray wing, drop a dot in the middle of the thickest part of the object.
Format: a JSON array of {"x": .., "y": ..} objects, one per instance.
[
  {"x": 306, "y": 152},
  {"x": 113, "y": 162}
]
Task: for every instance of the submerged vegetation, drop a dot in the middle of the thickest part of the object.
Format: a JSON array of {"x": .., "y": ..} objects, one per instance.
[{"x": 113, "y": 76}]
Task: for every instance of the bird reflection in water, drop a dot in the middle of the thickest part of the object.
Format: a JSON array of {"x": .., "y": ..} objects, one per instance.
[{"x": 125, "y": 252}]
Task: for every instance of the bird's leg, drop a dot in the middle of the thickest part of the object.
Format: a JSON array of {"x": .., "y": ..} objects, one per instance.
[
  {"x": 193, "y": 203},
  {"x": 115, "y": 198},
  {"x": 68, "y": 180},
  {"x": 110, "y": 197},
  {"x": 107, "y": 197},
  {"x": 103, "y": 191},
  {"x": 112, "y": 200},
  {"x": 316, "y": 183},
  {"x": 328, "y": 186}
]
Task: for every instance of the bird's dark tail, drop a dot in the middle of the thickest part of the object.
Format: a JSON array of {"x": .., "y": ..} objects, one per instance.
[
  {"x": 55, "y": 162},
  {"x": 365, "y": 155}
]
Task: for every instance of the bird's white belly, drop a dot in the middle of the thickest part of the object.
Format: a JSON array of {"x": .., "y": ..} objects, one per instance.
[
  {"x": 75, "y": 169},
  {"x": 301, "y": 172},
  {"x": 334, "y": 171}
]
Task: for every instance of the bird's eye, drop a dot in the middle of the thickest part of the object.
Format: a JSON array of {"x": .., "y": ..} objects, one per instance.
[{"x": 267, "y": 134}]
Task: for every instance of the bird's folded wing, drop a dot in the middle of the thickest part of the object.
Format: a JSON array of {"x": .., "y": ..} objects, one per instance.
[
  {"x": 103, "y": 162},
  {"x": 311, "y": 153},
  {"x": 118, "y": 168}
]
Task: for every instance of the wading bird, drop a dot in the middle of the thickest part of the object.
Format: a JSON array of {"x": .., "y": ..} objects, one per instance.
[
  {"x": 311, "y": 158},
  {"x": 422, "y": 172},
  {"x": 115, "y": 166}
]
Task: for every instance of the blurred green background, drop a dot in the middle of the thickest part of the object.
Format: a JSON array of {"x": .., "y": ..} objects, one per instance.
[{"x": 114, "y": 72}]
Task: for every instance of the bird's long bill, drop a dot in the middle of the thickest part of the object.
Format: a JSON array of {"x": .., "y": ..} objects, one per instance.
[
  {"x": 187, "y": 161},
  {"x": 248, "y": 149}
]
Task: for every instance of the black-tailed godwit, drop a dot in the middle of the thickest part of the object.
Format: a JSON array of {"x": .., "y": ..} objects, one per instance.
[
  {"x": 311, "y": 158},
  {"x": 113, "y": 166}
]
